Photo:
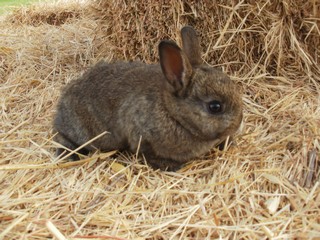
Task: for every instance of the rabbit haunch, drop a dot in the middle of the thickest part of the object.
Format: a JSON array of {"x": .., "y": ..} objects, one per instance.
[{"x": 176, "y": 111}]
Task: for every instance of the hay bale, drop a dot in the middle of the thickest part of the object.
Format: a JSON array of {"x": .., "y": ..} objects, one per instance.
[
  {"x": 265, "y": 186},
  {"x": 273, "y": 38}
]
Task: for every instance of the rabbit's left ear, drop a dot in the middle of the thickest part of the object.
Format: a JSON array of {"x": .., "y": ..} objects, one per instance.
[{"x": 175, "y": 65}]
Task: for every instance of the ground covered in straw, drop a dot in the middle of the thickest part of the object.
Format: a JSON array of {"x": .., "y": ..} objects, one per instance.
[{"x": 264, "y": 186}]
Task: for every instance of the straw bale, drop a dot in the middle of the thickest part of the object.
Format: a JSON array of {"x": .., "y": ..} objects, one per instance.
[
  {"x": 272, "y": 37},
  {"x": 264, "y": 185}
]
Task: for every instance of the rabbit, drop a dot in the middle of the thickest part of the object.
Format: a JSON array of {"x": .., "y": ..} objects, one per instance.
[{"x": 173, "y": 112}]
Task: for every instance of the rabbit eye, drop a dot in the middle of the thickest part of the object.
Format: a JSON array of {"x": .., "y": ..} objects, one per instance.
[{"x": 215, "y": 107}]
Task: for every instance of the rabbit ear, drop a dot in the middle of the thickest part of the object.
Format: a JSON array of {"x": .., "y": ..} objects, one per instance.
[
  {"x": 191, "y": 45},
  {"x": 175, "y": 65}
]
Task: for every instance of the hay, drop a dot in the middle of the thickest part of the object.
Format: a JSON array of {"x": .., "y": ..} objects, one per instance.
[{"x": 264, "y": 186}]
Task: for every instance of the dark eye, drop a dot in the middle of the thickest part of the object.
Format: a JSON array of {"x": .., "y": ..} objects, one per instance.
[{"x": 215, "y": 107}]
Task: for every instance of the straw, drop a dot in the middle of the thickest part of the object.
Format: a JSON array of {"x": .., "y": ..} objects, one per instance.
[{"x": 264, "y": 185}]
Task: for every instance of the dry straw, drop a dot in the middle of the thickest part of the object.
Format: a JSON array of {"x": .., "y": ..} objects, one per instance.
[{"x": 266, "y": 186}]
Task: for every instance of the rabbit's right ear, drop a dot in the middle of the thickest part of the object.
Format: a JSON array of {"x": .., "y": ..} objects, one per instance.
[
  {"x": 191, "y": 45},
  {"x": 175, "y": 65}
]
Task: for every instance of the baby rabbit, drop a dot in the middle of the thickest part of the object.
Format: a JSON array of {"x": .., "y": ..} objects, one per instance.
[{"x": 174, "y": 111}]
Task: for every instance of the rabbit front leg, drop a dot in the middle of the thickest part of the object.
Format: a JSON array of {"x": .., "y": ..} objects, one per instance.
[
  {"x": 155, "y": 161},
  {"x": 164, "y": 164}
]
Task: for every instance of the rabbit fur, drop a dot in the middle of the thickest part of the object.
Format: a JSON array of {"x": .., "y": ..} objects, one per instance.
[{"x": 174, "y": 111}]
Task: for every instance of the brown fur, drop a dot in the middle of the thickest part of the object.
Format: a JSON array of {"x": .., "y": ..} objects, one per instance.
[{"x": 166, "y": 106}]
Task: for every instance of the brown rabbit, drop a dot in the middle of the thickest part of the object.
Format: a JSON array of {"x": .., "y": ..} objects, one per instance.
[{"x": 176, "y": 111}]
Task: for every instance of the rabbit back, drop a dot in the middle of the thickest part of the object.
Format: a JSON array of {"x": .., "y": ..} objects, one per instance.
[{"x": 104, "y": 99}]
